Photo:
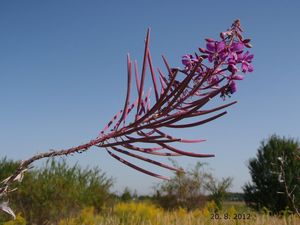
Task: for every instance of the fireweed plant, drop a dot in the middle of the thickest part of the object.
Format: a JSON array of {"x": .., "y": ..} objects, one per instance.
[{"x": 179, "y": 94}]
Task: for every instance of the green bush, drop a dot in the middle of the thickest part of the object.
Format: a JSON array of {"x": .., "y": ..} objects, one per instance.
[
  {"x": 218, "y": 189},
  {"x": 7, "y": 167},
  {"x": 18, "y": 221},
  {"x": 267, "y": 189},
  {"x": 183, "y": 190},
  {"x": 189, "y": 189},
  {"x": 57, "y": 191}
]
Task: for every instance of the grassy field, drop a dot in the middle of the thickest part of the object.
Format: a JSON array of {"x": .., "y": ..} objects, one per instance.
[{"x": 145, "y": 213}]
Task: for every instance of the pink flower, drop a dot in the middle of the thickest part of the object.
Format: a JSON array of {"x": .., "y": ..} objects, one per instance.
[
  {"x": 188, "y": 61},
  {"x": 232, "y": 87},
  {"x": 237, "y": 47},
  {"x": 237, "y": 77},
  {"x": 228, "y": 57},
  {"x": 246, "y": 59},
  {"x": 216, "y": 50}
]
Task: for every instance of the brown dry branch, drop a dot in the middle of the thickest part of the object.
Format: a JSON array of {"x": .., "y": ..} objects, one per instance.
[{"x": 288, "y": 191}]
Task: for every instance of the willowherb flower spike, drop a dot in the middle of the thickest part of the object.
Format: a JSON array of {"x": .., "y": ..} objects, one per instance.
[
  {"x": 179, "y": 94},
  {"x": 205, "y": 76}
]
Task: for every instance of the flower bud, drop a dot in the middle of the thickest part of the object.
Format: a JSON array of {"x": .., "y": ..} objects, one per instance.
[
  {"x": 203, "y": 50},
  {"x": 222, "y": 35},
  {"x": 245, "y": 41},
  {"x": 209, "y": 40},
  {"x": 237, "y": 77},
  {"x": 248, "y": 45},
  {"x": 232, "y": 87},
  {"x": 232, "y": 68},
  {"x": 240, "y": 36}
]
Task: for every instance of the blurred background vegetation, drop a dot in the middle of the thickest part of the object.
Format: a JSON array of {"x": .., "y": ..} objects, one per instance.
[
  {"x": 57, "y": 190},
  {"x": 57, "y": 193}
]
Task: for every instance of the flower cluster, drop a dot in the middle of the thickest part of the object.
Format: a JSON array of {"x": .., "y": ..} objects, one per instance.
[{"x": 222, "y": 60}]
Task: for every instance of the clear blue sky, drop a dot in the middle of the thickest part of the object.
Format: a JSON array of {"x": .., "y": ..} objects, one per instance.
[{"x": 63, "y": 75}]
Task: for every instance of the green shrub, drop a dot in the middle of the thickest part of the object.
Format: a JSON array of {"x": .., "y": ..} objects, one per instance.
[
  {"x": 57, "y": 191},
  {"x": 267, "y": 188},
  {"x": 18, "y": 221},
  {"x": 7, "y": 167},
  {"x": 184, "y": 189}
]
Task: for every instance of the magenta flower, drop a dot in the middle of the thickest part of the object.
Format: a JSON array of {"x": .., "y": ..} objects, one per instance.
[
  {"x": 228, "y": 59},
  {"x": 188, "y": 61},
  {"x": 232, "y": 87},
  {"x": 216, "y": 50},
  {"x": 237, "y": 77},
  {"x": 237, "y": 47},
  {"x": 246, "y": 59}
]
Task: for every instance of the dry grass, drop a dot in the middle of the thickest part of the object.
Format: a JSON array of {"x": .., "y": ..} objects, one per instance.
[
  {"x": 148, "y": 214},
  {"x": 143, "y": 213}
]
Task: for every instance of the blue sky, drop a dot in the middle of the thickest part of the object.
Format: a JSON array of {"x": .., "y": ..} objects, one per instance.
[{"x": 63, "y": 76}]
